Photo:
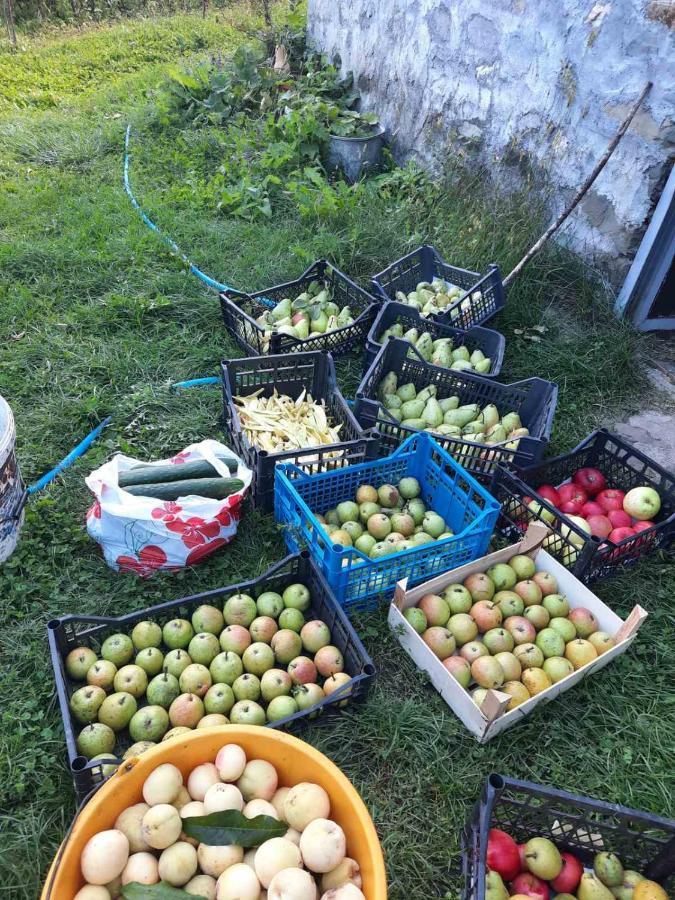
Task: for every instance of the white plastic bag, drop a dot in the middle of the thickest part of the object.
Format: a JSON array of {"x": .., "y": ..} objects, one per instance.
[{"x": 144, "y": 535}]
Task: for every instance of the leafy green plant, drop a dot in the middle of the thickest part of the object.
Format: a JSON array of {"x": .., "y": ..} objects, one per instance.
[{"x": 351, "y": 123}]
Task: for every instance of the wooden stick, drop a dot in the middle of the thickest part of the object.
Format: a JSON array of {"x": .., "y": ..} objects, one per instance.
[{"x": 611, "y": 147}]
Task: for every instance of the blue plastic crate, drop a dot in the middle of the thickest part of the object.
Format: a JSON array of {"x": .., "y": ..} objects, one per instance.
[{"x": 357, "y": 581}]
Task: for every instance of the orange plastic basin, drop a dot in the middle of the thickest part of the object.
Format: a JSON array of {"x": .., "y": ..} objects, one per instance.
[{"x": 294, "y": 761}]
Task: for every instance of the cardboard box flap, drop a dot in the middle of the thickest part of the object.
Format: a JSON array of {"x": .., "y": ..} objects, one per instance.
[
  {"x": 632, "y": 623},
  {"x": 399, "y": 593},
  {"x": 494, "y": 704},
  {"x": 534, "y": 537}
]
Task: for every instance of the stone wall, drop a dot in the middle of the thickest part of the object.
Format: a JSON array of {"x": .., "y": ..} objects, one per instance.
[{"x": 540, "y": 82}]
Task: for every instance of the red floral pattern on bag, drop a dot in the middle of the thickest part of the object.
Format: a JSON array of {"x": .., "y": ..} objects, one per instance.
[
  {"x": 150, "y": 559},
  {"x": 199, "y": 553},
  {"x": 194, "y": 531},
  {"x": 94, "y": 511},
  {"x": 181, "y": 457},
  {"x": 167, "y": 512}
]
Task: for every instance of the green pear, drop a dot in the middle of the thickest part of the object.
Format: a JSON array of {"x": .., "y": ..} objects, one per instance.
[
  {"x": 407, "y": 392},
  {"x": 449, "y": 403},
  {"x": 607, "y": 866},
  {"x": 461, "y": 353},
  {"x": 388, "y": 385},
  {"x": 542, "y": 858},
  {"x": 495, "y": 888},
  {"x": 591, "y": 888},
  {"x": 432, "y": 413},
  {"x": 490, "y": 415},
  {"x": 624, "y": 891}
]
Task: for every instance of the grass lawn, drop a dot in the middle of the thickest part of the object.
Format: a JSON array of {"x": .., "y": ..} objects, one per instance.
[{"x": 98, "y": 318}]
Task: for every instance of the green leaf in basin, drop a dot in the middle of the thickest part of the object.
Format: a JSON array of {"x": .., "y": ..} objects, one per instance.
[{"x": 232, "y": 827}]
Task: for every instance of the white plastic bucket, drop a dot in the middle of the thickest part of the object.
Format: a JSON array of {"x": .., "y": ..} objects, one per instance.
[{"x": 11, "y": 485}]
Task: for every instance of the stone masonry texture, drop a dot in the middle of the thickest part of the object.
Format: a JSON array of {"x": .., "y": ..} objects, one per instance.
[{"x": 537, "y": 85}]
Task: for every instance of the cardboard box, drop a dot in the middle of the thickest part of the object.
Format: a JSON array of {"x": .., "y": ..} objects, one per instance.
[{"x": 491, "y": 718}]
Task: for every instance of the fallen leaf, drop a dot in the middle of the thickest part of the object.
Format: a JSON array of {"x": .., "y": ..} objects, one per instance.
[{"x": 18, "y": 335}]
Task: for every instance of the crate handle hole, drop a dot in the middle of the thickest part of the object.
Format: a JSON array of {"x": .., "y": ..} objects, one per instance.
[
  {"x": 496, "y": 781},
  {"x": 79, "y": 764},
  {"x": 53, "y": 624},
  {"x": 369, "y": 670}
]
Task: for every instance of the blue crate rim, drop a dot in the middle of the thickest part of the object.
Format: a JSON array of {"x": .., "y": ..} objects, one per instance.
[{"x": 349, "y": 552}]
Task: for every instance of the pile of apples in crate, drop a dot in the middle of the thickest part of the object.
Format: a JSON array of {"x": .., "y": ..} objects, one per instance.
[
  {"x": 508, "y": 629},
  {"x": 256, "y": 661},
  {"x": 538, "y": 870},
  {"x": 258, "y": 839},
  {"x": 607, "y": 513}
]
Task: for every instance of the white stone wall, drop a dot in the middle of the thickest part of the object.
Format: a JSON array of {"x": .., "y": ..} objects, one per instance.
[{"x": 542, "y": 81}]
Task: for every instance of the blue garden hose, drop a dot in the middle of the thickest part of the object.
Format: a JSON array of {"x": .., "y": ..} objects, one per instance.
[
  {"x": 68, "y": 460},
  {"x": 208, "y": 281}
]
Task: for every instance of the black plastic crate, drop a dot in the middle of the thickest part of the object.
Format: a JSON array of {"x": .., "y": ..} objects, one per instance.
[
  {"x": 68, "y": 632},
  {"x": 491, "y": 342},
  {"x": 533, "y": 399},
  {"x": 624, "y": 467},
  {"x": 291, "y": 374},
  {"x": 424, "y": 264},
  {"x": 576, "y": 824},
  {"x": 240, "y": 310}
]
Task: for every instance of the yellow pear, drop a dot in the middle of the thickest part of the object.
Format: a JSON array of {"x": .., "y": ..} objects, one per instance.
[{"x": 649, "y": 890}]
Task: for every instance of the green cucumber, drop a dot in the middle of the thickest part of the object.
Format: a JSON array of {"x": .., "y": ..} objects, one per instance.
[
  {"x": 200, "y": 468},
  {"x": 216, "y": 488}
]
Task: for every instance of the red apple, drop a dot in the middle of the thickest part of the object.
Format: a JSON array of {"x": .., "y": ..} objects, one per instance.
[
  {"x": 591, "y": 509},
  {"x": 502, "y": 854},
  {"x": 591, "y": 480},
  {"x": 610, "y": 499},
  {"x": 521, "y": 854},
  {"x": 601, "y": 527},
  {"x": 548, "y": 492},
  {"x": 572, "y": 507},
  {"x": 572, "y": 491},
  {"x": 620, "y": 534},
  {"x": 642, "y": 526},
  {"x": 619, "y": 518},
  {"x": 570, "y": 874},
  {"x": 530, "y": 886}
]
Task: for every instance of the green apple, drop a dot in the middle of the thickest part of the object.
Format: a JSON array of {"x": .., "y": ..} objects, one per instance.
[
  {"x": 226, "y": 668},
  {"x": 146, "y": 634},
  {"x": 296, "y": 596},
  {"x": 177, "y": 634},
  {"x": 149, "y": 724},
  {"x": 95, "y": 739},
  {"x": 203, "y": 648},
  {"x": 150, "y": 660},
  {"x": 163, "y": 690},
  {"x": 281, "y": 708},
  {"x": 116, "y": 711},
  {"x": 247, "y": 687},
  {"x": 176, "y": 662},
  {"x": 247, "y": 712},
  {"x": 292, "y": 620},
  {"x": 86, "y": 702},
  {"x": 270, "y": 604},
  {"x": 118, "y": 648},
  {"x": 219, "y": 699},
  {"x": 79, "y": 661},
  {"x": 207, "y": 619}
]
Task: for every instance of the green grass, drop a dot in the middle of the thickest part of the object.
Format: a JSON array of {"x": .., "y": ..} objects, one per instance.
[{"x": 98, "y": 317}]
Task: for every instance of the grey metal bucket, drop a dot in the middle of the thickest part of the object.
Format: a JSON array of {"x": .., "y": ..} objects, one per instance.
[
  {"x": 12, "y": 493},
  {"x": 356, "y": 155}
]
